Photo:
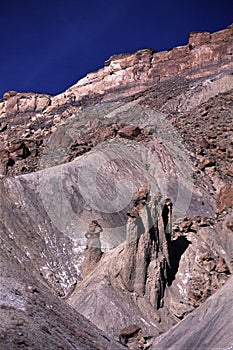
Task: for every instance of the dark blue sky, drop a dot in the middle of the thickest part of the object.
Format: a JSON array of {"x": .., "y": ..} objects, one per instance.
[{"x": 47, "y": 46}]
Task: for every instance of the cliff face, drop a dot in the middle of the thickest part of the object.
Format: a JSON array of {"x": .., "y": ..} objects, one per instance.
[
  {"x": 183, "y": 78},
  {"x": 116, "y": 196},
  {"x": 204, "y": 54}
]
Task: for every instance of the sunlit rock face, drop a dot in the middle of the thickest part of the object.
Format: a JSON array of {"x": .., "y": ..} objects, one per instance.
[
  {"x": 116, "y": 203},
  {"x": 177, "y": 80}
]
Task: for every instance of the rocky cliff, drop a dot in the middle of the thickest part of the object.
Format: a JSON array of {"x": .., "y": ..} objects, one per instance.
[
  {"x": 177, "y": 80},
  {"x": 116, "y": 203}
]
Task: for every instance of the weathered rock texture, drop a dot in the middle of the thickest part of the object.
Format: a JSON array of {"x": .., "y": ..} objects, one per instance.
[
  {"x": 132, "y": 337},
  {"x": 179, "y": 80},
  {"x": 93, "y": 251},
  {"x": 139, "y": 277},
  {"x": 162, "y": 120},
  {"x": 208, "y": 327},
  {"x": 33, "y": 317},
  {"x": 146, "y": 259}
]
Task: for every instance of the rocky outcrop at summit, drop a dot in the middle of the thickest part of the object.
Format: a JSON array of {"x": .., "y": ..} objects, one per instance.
[
  {"x": 177, "y": 80},
  {"x": 136, "y": 72}
]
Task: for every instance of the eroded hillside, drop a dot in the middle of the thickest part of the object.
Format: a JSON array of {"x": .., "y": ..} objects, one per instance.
[{"x": 116, "y": 202}]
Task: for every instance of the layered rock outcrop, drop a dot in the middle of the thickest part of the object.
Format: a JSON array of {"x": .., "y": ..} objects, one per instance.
[
  {"x": 183, "y": 77},
  {"x": 165, "y": 121},
  {"x": 204, "y": 53}
]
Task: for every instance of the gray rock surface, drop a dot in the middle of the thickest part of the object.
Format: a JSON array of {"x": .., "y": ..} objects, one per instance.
[
  {"x": 34, "y": 317},
  {"x": 208, "y": 327}
]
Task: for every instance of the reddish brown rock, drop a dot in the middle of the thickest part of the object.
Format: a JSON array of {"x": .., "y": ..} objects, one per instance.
[
  {"x": 211, "y": 134},
  {"x": 4, "y": 160},
  {"x": 204, "y": 221},
  {"x": 11, "y": 105},
  {"x": 103, "y": 133},
  {"x": 42, "y": 102},
  {"x": 145, "y": 68},
  {"x": 185, "y": 225},
  {"x": 206, "y": 256},
  {"x": 222, "y": 267},
  {"x": 126, "y": 75},
  {"x": 229, "y": 225},
  {"x": 141, "y": 196},
  {"x": 3, "y": 126},
  {"x": 19, "y": 149},
  {"x": 199, "y": 38},
  {"x": 225, "y": 198},
  {"x": 4, "y": 155},
  {"x": 207, "y": 162},
  {"x": 9, "y": 94},
  {"x": 129, "y": 131},
  {"x": 229, "y": 153},
  {"x": 131, "y": 336},
  {"x": 203, "y": 142},
  {"x": 209, "y": 265},
  {"x": 27, "y": 103}
]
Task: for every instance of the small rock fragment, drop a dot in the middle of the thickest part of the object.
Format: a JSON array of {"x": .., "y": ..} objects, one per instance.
[{"x": 129, "y": 131}]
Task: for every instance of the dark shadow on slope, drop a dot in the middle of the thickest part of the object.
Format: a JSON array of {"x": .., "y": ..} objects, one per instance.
[{"x": 177, "y": 249}]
